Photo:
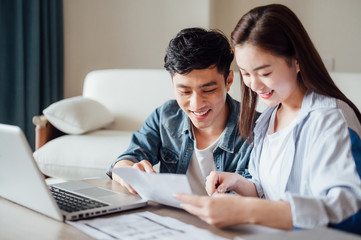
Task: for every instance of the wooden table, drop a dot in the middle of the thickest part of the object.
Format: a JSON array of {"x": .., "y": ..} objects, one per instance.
[{"x": 18, "y": 222}]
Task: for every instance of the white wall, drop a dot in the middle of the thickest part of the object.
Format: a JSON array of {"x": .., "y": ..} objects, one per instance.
[
  {"x": 333, "y": 25},
  {"x": 135, "y": 33},
  {"x": 122, "y": 34}
]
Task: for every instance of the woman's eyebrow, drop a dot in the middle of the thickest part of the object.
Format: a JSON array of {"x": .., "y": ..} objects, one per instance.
[{"x": 258, "y": 68}]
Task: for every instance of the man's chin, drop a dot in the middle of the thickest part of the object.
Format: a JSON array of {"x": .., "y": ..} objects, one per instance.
[{"x": 199, "y": 124}]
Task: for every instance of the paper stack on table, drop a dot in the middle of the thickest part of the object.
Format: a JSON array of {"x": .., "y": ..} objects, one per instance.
[{"x": 140, "y": 226}]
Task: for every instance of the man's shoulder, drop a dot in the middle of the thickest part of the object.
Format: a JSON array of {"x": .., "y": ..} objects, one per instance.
[
  {"x": 169, "y": 107},
  {"x": 170, "y": 111},
  {"x": 171, "y": 116},
  {"x": 235, "y": 103}
]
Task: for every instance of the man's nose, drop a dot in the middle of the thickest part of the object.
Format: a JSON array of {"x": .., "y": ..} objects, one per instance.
[{"x": 196, "y": 101}]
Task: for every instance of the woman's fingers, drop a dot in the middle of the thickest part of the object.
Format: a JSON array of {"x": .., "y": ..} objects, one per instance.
[
  {"x": 204, "y": 207},
  {"x": 193, "y": 204},
  {"x": 189, "y": 199},
  {"x": 212, "y": 182},
  {"x": 218, "y": 211}
]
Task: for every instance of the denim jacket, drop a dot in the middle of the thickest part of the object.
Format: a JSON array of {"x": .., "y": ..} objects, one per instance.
[{"x": 166, "y": 137}]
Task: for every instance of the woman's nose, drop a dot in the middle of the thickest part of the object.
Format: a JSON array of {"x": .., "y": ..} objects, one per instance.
[{"x": 256, "y": 84}]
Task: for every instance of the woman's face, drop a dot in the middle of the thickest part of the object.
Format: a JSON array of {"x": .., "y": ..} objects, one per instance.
[{"x": 271, "y": 77}]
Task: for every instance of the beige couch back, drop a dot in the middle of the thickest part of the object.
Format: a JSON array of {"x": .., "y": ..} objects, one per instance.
[{"x": 132, "y": 94}]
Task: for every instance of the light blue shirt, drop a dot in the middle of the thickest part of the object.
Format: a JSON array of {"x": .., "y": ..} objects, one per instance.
[{"x": 320, "y": 179}]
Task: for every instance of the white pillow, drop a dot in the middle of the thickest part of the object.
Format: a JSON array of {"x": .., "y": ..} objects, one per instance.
[
  {"x": 78, "y": 115},
  {"x": 74, "y": 157}
]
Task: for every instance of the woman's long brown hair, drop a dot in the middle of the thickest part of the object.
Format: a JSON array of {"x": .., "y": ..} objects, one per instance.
[{"x": 276, "y": 29}]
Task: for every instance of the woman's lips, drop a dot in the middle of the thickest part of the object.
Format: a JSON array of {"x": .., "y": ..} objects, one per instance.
[{"x": 266, "y": 95}]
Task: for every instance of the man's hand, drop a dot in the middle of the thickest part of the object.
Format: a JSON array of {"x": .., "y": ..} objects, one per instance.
[{"x": 143, "y": 165}]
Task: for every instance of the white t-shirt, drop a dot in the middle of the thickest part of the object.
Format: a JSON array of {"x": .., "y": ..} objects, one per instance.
[
  {"x": 275, "y": 152},
  {"x": 200, "y": 166}
]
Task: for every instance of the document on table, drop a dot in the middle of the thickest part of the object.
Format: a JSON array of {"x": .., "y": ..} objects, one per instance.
[
  {"x": 157, "y": 187},
  {"x": 140, "y": 226}
]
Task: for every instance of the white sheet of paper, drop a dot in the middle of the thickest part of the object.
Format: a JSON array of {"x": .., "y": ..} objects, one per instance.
[
  {"x": 157, "y": 187},
  {"x": 140, "y": 226}
]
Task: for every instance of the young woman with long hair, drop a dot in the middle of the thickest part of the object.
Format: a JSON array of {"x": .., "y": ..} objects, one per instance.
[{"x": 306, "y": 161}]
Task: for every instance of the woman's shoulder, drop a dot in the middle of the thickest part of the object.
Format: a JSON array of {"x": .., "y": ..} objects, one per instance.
[
  {"x": 322, "y": 107},
  {"x": 325, "y": 111},
  {"x": 315, "y": 101},
  {"x": 349, "y": 115}
]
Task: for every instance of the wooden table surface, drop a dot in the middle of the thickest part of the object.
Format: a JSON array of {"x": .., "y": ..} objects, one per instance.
[{"x": 18, "y": 222}]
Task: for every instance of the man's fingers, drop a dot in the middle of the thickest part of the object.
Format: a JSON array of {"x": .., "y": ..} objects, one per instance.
[
  {"x": 144, "y": 166},
  {"x": 128, "y": 187},
  {"x": 147, "y": 166},
  {"x": 139, "y": 166}
]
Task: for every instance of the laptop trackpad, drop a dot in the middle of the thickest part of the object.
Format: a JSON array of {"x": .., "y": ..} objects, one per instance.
[{"x": 95, "y": 192}]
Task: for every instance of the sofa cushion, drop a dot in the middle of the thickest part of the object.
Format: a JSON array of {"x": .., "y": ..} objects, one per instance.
[
  {"x": 74, "y": 157},
  {"x": 78, "y": 115}
]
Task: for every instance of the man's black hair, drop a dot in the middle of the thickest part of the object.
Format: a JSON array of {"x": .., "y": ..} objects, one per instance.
[{"x": 197, "y": 48}]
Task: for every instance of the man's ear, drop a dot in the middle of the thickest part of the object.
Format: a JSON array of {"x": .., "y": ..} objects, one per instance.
[{"x": 229, "y": 80}]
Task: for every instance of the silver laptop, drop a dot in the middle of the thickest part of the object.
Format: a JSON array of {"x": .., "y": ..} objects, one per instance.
[{"x": 22, "y": 182}]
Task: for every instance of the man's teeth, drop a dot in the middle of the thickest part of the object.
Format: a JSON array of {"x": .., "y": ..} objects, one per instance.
[{"x": 200, "y": 113}]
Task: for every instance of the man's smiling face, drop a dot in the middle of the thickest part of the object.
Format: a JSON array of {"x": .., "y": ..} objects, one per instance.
[{"x": 202, "y": 96}]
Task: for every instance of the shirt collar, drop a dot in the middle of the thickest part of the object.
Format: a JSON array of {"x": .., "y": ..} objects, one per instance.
[{"x": 310, "y": 102}]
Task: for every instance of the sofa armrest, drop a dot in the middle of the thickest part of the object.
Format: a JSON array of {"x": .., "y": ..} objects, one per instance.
[{"x": 44, "y": 131}]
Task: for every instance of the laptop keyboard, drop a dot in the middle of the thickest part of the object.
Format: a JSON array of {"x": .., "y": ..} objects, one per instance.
[{"x": 71, "y": 202}]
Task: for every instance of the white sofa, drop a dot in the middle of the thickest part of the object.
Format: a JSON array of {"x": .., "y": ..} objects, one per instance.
[{"x": 129, "y": 95}]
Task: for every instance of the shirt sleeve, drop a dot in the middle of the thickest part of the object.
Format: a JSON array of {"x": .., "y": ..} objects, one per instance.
[
  {"x": 144, "y": 143},
  {"x": 330, "y": 185},
  {"x": 252, "y": 170}
]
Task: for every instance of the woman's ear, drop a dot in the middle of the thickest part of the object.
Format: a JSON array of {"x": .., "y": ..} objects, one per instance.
[{"x": 297, "y": 66}]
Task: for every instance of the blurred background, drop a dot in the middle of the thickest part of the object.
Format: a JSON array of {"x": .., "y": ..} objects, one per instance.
[
  {"x": 135, "y": 33},
  {"x": 48, "y": 46}
]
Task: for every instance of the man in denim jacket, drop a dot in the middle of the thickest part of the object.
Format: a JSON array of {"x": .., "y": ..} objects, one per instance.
[{"x": 197, "y": 133}]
